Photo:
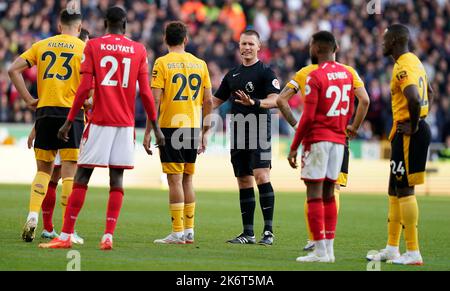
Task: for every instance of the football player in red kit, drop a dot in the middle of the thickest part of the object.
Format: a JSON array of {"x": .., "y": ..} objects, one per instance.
[
  {"x": 322, "y": 130},
  {"x": 117, "y": 64}
]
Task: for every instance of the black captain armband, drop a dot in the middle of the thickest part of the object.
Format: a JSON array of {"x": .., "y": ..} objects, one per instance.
[{"x": 257, "y": 104}]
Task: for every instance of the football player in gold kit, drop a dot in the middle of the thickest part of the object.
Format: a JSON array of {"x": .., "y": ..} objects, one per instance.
[{"x": 410, "y": 137}]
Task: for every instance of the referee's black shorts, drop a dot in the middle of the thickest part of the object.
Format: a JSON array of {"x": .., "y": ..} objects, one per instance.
[{"x": 245, "y": 161}]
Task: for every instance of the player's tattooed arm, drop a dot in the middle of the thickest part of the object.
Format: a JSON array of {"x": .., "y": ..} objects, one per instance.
[
  {"x": 283, "y": 105},
  {"x": 216, "y": 102},
  {"x": 15, "y": 74}
]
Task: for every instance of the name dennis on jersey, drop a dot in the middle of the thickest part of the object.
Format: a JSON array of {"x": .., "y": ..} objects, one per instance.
[
  {"x": 337, "y": 75},
  {"x": 117, "y": 47}
]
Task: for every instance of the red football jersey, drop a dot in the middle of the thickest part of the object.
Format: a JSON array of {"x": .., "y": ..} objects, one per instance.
[
  {"x": 329, "y": 98},
  {"x": 117, "y": 64}
]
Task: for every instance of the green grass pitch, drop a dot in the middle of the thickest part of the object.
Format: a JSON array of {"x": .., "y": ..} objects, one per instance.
[{"x": 144, "y": 217}]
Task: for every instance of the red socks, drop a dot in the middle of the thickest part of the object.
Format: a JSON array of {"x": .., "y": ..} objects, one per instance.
[
  {"x": 114, "y": 206},
  {"x": 48, "y": 205},
  {"x": 316, "y": 218},
  {"x": 322, "y": 218},
  {"x": 330, "y": 217},
  {"x": 74, "y": 205}
]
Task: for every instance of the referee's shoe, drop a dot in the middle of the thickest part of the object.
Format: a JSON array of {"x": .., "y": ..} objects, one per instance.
[
  {"x": 243, "y": 239},
  {"x": 267, "y": 239}
]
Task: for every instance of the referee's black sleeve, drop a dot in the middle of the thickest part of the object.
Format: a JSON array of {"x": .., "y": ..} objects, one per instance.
[
  {"x": 271, "y": 83},
  {"x": 224, "y": 91}
]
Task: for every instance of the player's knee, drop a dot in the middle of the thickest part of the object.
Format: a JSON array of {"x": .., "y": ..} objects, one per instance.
[
  {"x": 262, "y": 176},
  {"x": 328, "y": 190},
  {"x": 83, "y": 175},
  {"x": 187, "y": 180}
]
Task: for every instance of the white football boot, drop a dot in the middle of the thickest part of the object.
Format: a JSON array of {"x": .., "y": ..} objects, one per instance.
[
  {"x": 314, "y": 257},
  {"x": 383, "y": 255},
  {"x": 408, "y": 258},
  {"x": 171, "y": 239}
]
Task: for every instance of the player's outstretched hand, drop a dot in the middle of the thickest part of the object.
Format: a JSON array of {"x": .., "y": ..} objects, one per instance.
[
  {"x": 63, "y": 133},
  {"x": 147, "y": 143},
  {"x": 405, "y": 128},
  {"x": 31, "y": 138},
  {"x": 244, "y": 98},
  {"x": 32, "y": 104},
  {"x": 292, "y": 158},
  {"x": 351, "y": 131}
]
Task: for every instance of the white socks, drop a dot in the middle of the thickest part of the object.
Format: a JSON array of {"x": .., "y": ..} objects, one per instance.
[
  {"x": 34, "y": 215},
  {"x": 329, "y": 243},
  {"x": 392, "y": 249},
  {"x": 321, "y": 248}
]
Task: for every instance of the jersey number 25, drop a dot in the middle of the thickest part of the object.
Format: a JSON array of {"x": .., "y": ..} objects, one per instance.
[{"x": 339, "y": 96}]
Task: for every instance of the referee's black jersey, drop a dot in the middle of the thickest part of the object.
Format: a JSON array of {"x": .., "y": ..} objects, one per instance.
[{"x": 257, "y": 80}]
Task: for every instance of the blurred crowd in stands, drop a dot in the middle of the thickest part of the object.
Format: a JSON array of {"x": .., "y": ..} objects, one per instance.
[{"x": 285, "y": 27}]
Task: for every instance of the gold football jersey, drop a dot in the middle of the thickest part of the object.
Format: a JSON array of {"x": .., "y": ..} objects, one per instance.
[
  {"x": 408, "y": 70},
  {"x": 183, "y": 78},
  {"x": 58, "y": 60}
]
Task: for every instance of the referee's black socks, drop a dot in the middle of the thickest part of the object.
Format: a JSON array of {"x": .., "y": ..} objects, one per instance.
[
  {"x": 247, "y": 200},
  {"x": 267, "y": 202}
]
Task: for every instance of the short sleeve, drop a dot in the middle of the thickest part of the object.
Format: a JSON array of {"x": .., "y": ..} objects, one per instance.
[
  {"x": 271, "y": 84},
  {"x": 357, "y": 81},
  {"x": 405, "y": 76},
  {"x": 30, "y": 56},
  {"x": 87, "y": 63},
  {"x": 206, "y": 78},
  {"x": 298, "y": 81},
  {"x": 312, "y": 87},
  {"x": 293, "y": 83},
  {"x": 158, "y": 75},
  {"x": 224, "y": 91}
]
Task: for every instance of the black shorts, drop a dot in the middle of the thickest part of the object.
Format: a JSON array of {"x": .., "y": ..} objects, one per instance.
[
  {"x": 409, "y": 157},
  {"x": 47, "y": 134},
  {"x": 245, "y": 161},
  {"x": 179, "y": 153}
]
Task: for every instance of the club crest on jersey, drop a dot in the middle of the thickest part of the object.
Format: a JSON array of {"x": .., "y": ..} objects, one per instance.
[{"x": 249, "y": 87}]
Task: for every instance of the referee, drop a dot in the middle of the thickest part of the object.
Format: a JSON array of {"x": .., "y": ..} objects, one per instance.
[{"x": 253, "y": 88}]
